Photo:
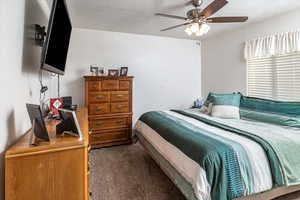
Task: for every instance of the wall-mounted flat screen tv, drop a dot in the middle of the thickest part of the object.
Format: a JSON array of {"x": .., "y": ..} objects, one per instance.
[{"x": 57, "y": 41}]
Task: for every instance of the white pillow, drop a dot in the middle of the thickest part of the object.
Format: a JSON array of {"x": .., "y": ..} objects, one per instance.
[
  {"x": 226, "y": 106},
  {"x": 225, "y": 111}
]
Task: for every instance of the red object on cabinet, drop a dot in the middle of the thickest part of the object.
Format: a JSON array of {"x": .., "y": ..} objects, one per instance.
[{"x": 55, "y": 104}]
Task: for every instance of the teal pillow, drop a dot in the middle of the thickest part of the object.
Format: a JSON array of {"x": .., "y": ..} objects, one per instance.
[
  {"x": 269, "y": 111},
  {"x": 225, "y": 105},
  {"x": 270, "y": 106},
  {"x": 272, "y": 118}
]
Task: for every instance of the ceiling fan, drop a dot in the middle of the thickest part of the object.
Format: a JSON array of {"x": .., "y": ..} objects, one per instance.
[{"x": 197, "y": 19}]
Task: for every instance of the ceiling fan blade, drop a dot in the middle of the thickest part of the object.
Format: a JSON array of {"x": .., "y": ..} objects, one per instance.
[
  {"x": 226, "y": 19},
  {"x": 170, "y": 16},
  {"x": 213, "y": 8},
  {"x": 166, "y": 29}
]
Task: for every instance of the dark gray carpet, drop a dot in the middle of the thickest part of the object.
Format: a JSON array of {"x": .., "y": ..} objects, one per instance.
[{"x": 129, "y": 173}]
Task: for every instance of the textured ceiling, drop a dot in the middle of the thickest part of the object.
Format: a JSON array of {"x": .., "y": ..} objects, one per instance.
[{"x": 137, "y": 16}]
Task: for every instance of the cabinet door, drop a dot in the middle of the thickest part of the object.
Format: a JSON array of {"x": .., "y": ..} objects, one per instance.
[{"x": 57, "y": 175}]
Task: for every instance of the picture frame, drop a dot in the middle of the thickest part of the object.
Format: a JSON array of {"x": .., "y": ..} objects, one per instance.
[
  {"x": 94, "y": 70},
  {"x": 113, "y": 72},
  {"x": 123, "y": 71},
  {"x": 70, "y": 124}
]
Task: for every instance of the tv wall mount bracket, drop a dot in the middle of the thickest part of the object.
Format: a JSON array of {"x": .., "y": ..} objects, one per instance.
[{"x": 40, "y": 34}]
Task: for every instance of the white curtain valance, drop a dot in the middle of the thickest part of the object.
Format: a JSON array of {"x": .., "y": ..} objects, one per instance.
[{"x": 273, "y": 45}]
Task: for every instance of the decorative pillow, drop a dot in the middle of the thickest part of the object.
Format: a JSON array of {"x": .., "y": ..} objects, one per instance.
[
  {"x": 272, "y": 118},
  {"x": 269, "y": 111},
  {"x": 226, "y": 105},
  {"x": 270, "y": 106}
]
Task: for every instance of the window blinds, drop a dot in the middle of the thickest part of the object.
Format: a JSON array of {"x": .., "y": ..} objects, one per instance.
[{"x": 276, "y": 77}]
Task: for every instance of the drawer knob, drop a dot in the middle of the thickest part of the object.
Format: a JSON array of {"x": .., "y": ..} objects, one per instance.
[
  {"x": 99, "y": 123},
  {"x": 120, "y": 121},
  {"x": 100, "y": 97},
  {"x": 98, "y": 109},
  {"x": 120, "y": 107},
  {"x": 120, "y": 96}
]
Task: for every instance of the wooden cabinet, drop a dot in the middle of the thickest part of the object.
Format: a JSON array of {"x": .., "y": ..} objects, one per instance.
[
  {"x": 52, "y": 170},
  {"x": 109, "y": 100}
]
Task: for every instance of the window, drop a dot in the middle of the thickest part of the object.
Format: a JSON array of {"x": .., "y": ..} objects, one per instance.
[{"x": 276, "y": 77}]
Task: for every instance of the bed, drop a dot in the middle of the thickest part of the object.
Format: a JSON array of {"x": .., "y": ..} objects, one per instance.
[{"x": 220, "y": 159}]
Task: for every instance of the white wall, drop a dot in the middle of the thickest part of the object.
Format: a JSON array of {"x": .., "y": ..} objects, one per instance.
[
  {"x": 167, "y": 71},
  {"x": 19, "y": 61},
  {"x": 223, "y": 64}
]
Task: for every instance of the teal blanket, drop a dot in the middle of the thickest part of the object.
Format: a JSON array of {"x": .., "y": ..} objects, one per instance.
[
  {"x": 216, "y": 156},
  {"x": 280, "y": 143}
]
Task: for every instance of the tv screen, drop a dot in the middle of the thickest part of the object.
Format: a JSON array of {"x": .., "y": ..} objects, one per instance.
[{"x": 58, "y": 38}]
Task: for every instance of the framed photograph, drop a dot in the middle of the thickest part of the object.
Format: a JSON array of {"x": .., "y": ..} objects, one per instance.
[
  {"x": 38, "y": 124},
  {"x": 70, "y": 124},
  {"x": 123, "y": 71},
  {"x": 94, "y": 70},
  {"x": 113, "y": 72}
]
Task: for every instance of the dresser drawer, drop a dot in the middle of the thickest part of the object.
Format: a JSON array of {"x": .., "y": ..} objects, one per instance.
[
  {"x": 124, "y": 85},
  {"x": 94, "y": 85},
  {"x": 98, "y": 97},
  {"x": 119, "y": 107},
  {"x": 97, "y": 109},
  {"x": 110, "y": 85},
  {"x": 101, "y": 138},
  {"x": 119, "y": 96},
  {"x": 100, "y": 124}
]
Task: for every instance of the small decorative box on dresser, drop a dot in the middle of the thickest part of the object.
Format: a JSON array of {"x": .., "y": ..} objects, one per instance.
[{"x": 109, "y": 102}]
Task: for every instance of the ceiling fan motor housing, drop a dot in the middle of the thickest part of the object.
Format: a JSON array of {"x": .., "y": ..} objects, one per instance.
[{"x": 194, "y": 14}]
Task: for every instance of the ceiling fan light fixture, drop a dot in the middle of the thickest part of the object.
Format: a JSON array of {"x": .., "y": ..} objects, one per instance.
[
  {"x": 197, "y": 29},
  {"x": 204, "y": 29},
  {"x": 188, "y": 30}
]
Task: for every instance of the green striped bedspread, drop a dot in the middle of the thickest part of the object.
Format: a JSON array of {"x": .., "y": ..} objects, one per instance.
[{"x": 228, "y": 151}]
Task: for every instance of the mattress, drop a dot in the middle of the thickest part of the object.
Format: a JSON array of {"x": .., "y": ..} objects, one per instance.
[{"x": 255, "y": 171}]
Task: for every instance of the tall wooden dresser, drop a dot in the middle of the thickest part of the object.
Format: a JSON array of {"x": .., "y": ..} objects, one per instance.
[{"x": 109, "y": 102}]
